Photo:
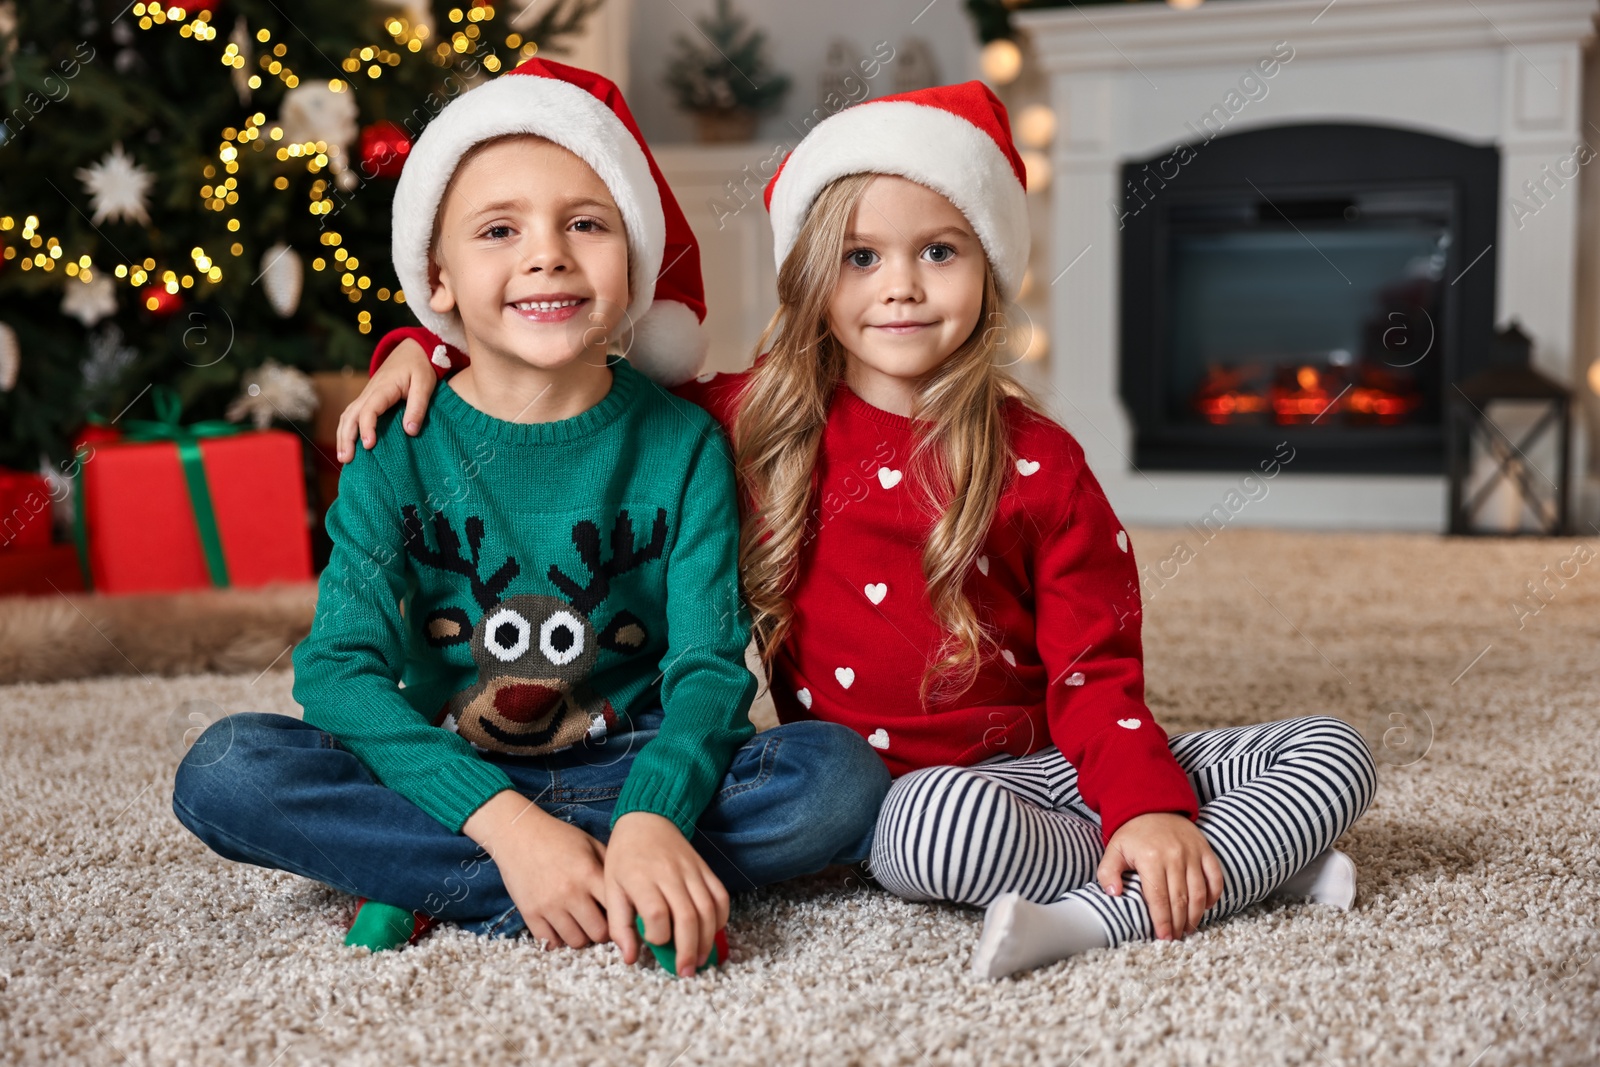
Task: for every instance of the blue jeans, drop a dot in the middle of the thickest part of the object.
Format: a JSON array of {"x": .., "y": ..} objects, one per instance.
[{"x": 276, "y": 792}]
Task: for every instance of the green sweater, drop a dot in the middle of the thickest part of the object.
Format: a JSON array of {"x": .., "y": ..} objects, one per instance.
[{"x": 515, "y": 588}]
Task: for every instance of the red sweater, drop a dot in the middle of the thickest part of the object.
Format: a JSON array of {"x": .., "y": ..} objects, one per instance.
[{"x": 1056, "y": 582}]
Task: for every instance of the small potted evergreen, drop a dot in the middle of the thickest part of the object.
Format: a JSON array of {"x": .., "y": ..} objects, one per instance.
[{"x": 724, "y": 80}]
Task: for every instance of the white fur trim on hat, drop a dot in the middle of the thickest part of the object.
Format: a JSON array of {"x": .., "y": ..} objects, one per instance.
[
  {"x": 927, "y": 145},
  {"x": 546, "y": 107},
  {"x": 668, "y": 343}
]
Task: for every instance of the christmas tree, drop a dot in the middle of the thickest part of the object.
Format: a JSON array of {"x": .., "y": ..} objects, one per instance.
[{"x": 189, "y": 192}]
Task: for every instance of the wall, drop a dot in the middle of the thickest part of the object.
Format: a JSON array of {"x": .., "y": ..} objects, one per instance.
[{"x": 798, "y": 36}]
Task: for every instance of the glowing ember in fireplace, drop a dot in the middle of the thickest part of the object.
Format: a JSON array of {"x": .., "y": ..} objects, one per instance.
[
  {"x": 1388, "y": 409},
  {"x": 1307, "y": 399},
  {"x": 1305, "y": 394},
  {"x": 1228, "y": 396},
  {"x": 1223, "y": 408}
]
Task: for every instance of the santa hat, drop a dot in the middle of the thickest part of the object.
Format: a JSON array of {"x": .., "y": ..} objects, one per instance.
[
  {"x": 955, "y": 139},
  {"x": 585, "y": 114}
]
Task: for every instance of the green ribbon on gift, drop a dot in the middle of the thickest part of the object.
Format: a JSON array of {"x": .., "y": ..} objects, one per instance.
[{"x": 168, "y": 425}]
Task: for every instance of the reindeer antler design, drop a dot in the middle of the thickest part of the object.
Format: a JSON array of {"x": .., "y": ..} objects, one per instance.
[
  {"x": 449, "y": 558},
  {"x": 587, "y": 596}
]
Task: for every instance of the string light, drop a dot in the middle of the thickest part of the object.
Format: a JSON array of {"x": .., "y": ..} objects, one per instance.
[
  {"x": 1001, "y": 61},
  {"x": 220, "y": 196},
  {"x": 200, "y": 29}
]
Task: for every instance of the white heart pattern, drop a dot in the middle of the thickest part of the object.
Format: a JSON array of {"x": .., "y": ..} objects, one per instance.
[
  {"x": 1122, "y": 540},
  {"x": 1006, "y": 654},
  {"x": 1128, "y": 724},
  {"x": 983, "y": 565},
  {"x": 440, "y": 357},
  {"x": 878, "y": 739},
  {"x": 876, "y": 592},
  {"x": 1026, "y": 467},
  {"x": 804, "y": 697},
  {"x": 1075, "y": 678},
  {"x": 846, "y": 676},
  {"x": 888, "y": 478}
]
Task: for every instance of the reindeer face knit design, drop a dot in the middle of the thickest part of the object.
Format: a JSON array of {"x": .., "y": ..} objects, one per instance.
[
  {"x": 534, "y": 653},
  {"x": 501, "y": 590}
]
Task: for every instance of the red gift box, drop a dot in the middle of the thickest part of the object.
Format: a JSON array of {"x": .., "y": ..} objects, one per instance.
[
  {"x": 25, "y": 512},
  {"x": 142, "y": 533}
]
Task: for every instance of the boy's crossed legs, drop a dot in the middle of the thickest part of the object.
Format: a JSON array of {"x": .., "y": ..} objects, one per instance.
[{"x": 273, "y": 791}]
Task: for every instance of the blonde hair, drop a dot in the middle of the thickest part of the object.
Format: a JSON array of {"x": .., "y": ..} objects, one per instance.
[{"x": 961, "y": 456}]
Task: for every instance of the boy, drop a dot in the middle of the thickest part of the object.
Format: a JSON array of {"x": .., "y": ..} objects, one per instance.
[{"x": 551, "y": 566}]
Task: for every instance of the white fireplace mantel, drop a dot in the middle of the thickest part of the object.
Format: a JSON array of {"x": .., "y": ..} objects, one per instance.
[{"x": 1129, "y": 81}]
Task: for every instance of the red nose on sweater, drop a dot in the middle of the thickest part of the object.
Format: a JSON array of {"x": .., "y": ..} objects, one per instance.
[{"x": 524, "y": 701}]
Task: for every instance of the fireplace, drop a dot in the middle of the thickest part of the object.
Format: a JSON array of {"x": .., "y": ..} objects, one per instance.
[
  {"x": 1318, "y": 284},
  {"x": 1172, "y": 403}
]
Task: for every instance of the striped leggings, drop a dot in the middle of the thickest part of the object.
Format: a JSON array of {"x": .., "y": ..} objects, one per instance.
[{"x": 1272, "y": 798}]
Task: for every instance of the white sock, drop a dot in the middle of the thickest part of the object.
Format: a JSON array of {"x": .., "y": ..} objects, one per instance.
[
  {"x": 1328, "y": 879},
  {"x": 1019, "y": 935}
]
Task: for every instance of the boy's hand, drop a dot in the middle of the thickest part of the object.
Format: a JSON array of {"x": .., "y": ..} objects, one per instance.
[
  {"x": 1179, "y": 874},
  {"x": 405, "y": 374},
  {"x": 652, "y": 869},
  {"x": 554, "y": 871}
]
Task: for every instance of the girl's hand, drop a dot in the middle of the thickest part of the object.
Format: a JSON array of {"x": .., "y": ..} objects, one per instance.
[
  {"x": 1180, "y": 876},
  {"x": 652, "y": 869},
  {"x": 405, "y": 374}
]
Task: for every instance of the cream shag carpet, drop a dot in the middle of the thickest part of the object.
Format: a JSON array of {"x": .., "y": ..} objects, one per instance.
[{"x": 1473, "y": 941}]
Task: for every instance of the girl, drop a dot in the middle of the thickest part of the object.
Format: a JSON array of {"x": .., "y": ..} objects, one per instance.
[{"x": 930, "y": 562}]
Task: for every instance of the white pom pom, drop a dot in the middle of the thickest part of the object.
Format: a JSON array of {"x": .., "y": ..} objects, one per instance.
[{"x": 669, "y": 345}]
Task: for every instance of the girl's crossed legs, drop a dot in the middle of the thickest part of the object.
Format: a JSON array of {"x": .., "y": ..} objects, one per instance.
[{"x": 1273, "y": 798}]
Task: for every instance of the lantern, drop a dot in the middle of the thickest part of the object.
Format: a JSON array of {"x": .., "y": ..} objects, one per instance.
[{"x": 1485, "y": 457}]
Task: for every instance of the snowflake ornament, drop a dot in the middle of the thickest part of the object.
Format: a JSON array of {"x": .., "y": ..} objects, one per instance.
[
  {"x": 118, "y": 186},
  {"x": 109, "y": 359},
  {"x": 90, "y": 301},
  {"x": 274, "y": 391},
  {"x": 315, "y": 111}
]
